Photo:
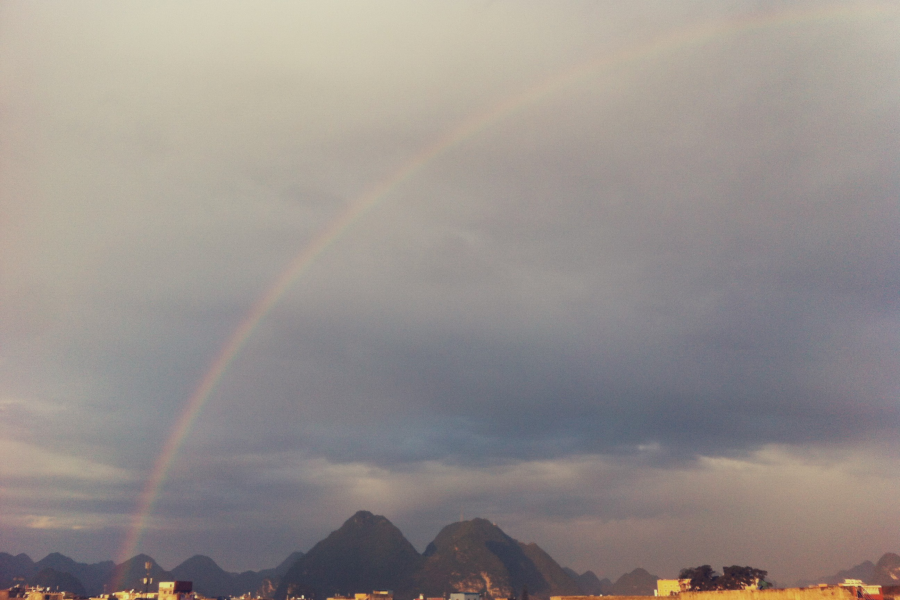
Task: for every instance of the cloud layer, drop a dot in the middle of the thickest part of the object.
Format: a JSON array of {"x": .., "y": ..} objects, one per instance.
[{"x": 657, "y": 301}]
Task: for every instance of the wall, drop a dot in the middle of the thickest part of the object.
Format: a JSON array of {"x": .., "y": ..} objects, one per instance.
[{"x": 831, "y": 593}]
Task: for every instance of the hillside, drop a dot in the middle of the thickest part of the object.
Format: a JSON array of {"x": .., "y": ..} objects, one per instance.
[
  {"x": 885, "y": 572},
  {"x": 590, "y": 584},
  {"x": 92, "y": 576},
  {"x": 55, "y": 570},
  {"x": 208, "y": 577},
  {"x": 212, "y": 580},
  {"x": 636, "y": 583},
  {"x": 477, "y": 556},
  {"x": 130, "y": 574},
  {"x": 55, "y": 580},
  {"x": 366, "y": 553}
]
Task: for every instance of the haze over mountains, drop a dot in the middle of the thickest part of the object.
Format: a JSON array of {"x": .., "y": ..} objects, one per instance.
[
  {"x": 367, "y": 553},
  {"x": 885, "y": 572},
  {"x": 58, "y": 571}
]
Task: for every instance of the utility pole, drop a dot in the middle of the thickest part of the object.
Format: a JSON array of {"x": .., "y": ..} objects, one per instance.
[{"x": 147, "y": 579}]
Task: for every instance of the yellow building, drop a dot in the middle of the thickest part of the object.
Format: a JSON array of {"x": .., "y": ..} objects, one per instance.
[
  {"x": 176, "y": 590},
  {"x": 385, "y": 595},
  {"x": 670, "y": 587}
]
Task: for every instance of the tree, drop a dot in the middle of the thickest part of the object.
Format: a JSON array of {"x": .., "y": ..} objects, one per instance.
[
  {"x": 735, "y": 577},
  {"x": 703, "y": 578},
  {"x": 739, "y": 578}
]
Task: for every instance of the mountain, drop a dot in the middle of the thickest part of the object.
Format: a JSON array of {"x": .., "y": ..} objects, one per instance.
[
  {"x": 57, "y": 581},
  {"x": 557, "y": 580},
  {"x": 94, "y": 579},
  {"x": 637, "y": 583},
  {"x": 130, "y": 574},
  {"x": 92, "y": 576},
  {"x": 590, "y": 584},
  {"x": 477, "y": 556},
  {"x": 208, "y": 578},
  {"x": 264, "y": 584},
  {"x": 282, "y": 569},
  {"x": 863, "y": 571},
  {"x": 887, "y": 570},
  {"x": 14, "y": 566},
  {"x": 55, "y": 570},
  {"x": 367, "y": 553},
  {"x": 212, "y": 580}
]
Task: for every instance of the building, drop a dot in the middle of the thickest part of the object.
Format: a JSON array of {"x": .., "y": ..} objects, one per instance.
[
  {"x": 176, "y": 590},
  {"x": 670, "y": 587},
  {"x": 465, "y": 596},
  {"x": 32, "y": 593},
  {"x": 376, "y": 595},
  {"x": 862, "y": 590}
]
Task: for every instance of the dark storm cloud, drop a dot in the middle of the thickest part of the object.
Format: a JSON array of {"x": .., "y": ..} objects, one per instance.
[{"x": 676, "y": 270}]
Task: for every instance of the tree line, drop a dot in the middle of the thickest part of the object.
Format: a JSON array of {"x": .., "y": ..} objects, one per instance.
[{"x": 705, "y": 579}]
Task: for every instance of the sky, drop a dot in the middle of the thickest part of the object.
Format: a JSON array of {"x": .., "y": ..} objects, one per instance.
[{"x": 623, "y": 278}]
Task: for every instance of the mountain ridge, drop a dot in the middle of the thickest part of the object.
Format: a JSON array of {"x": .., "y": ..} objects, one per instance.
[
  {"x": 886, "y": 571},
  {"x": 473, "y": 555}
]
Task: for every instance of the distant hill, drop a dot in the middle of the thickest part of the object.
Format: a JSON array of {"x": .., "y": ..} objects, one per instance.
[
  {"x": 130, "y": 574},
  {"x": 92, "y": 576},
  {"x": 590, "y": 584},
  {"x": 367, "y": 553},
  {"x": 282, "y": 569},
  {"x": 556, "y": 579},
  {"x": 864, "y": 571},
  {"x": 14, "y": 566},
  {"x": 885, "y": 572},
  {"x": 208, "y": 578},
  {"x": 212, "y": 580},
  {"x": 58, "y": 570},
  {"x": 637, "y": 583},
  {"x": 57, "y": 581},
  {"x": 477, "y": 556},
  {"x": 89, "y": 577}
]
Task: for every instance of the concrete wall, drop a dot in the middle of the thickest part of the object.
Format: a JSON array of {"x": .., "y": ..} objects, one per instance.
[{"x": 831, "y": 593}]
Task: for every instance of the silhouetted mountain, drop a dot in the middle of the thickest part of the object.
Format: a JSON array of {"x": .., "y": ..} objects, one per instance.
[
  {"x": 264, "y": 584},
  {"x": 367, "y": 553},
  {"x": 637, "y": 583},
  {"x": 284, "y": 567},
  {"x": 866, "y": 571},
  {"x": 887, "y": 570},
  {"x": 477, "y": 556},
  {"x": 130, "y": 574},
  {"x": 52, "y": 570},
  {"x": 92, "y": 576},
  {"x": 57, "y": 581},
  {"x": 212, "y": 580},
  {"x": 557, "y": 580},
  {"x": 208, "y": 578},
  {"x": 14, "y": 566},
  {"x": 589, "y": 583}
]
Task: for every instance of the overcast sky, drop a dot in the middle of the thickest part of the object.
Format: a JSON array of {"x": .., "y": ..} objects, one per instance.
[{"x": 646, "y": 313}]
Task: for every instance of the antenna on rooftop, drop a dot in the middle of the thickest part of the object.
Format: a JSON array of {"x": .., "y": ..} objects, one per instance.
[{"x": 147, "y": 580}]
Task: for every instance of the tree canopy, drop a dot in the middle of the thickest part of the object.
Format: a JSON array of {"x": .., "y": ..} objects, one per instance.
[{"x": 735, "y": 577}]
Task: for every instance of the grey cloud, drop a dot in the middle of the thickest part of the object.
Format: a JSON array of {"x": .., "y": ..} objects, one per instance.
[{"x": 685, "y": 258}]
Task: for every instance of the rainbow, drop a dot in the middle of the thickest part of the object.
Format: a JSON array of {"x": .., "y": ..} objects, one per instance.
[{"x": 473, "y": 125}]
